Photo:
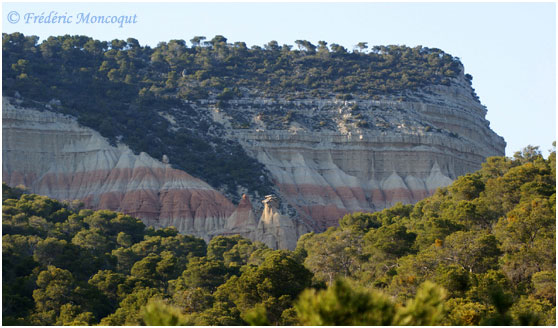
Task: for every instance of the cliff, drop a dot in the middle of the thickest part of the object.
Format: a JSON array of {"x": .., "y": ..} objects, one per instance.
[
  {"x": 333, "y": 157},
  {"x": 53, "y": 155},
  {"x": 322, "y": 133},
  {"x": 320, "y": 171}
]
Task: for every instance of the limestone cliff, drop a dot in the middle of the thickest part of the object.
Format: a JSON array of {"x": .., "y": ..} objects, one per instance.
[
  {"x": 330, "y": 157},
  {"x": 326, "y": 157},
  {"x": 53, "y": 155}
]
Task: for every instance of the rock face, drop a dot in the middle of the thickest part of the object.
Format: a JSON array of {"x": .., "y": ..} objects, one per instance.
[
  {"x": 330, "y": 157},
  {"x": 326, "y": 157},
  {"x": 277, "y": 230},
  {"x": 243, "y": 220},
  {"x": 53, "y": 155}
]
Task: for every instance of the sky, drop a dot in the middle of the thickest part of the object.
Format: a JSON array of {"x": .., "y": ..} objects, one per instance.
[{"x": 508, "y": 48}]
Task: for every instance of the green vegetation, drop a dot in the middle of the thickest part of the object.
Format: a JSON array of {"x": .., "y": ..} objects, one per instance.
[
  {"x": 488, "y": 239},
  {"x": 119, "y": 88},
  {"x": 481, "y": 251},
  {"x": 214, "y": 68}
]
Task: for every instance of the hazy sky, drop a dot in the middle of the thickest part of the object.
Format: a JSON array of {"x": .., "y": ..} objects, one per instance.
[{"x": 508, "y": 48}]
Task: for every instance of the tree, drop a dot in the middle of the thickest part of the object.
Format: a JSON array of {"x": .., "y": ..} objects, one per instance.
[
  {"x": 360, "y": 221},
  {"x": 218, "y": 39},
  {"x": 168, "y": 267},
  {"x": 526, "y": 223},
  {"x": 532, "y": 312},
  {"x": 125, "y": 258},
  {"x": 462, "y": 312},
  {"x": 338, "y": 49},
  {"x": 272, "y": 46},
  {"x": 157, "y": 313},
  {"x": 527, "y": 154},
  {"x": 203, "y": 272},
  {"x": 73, "y": 315},
  {"x": 383, "y": 246},
  {"x": 334, "y": 253},
  {"x": 146, "y": 268},
  {"x": 130, "y": 311},
  {"x": 240, "y": 253},
  {"x": 426, "y": 309},
  {"x": 473, "y": 251},
  {"x": 528, "y": 235},
  {"x": 274, "y": 284},
  {"x": 453, "y": 278},
  {"x": 11, "y": 193},
  {"x": 544, "y": 283},
  {"x": 392, "y": 240},
  {"x": 323, "y": 50},
  {"x": 221, "y": 314},
  {"x": 196, "y": 41},
  {"x": 495, "y": 167},
  {"x": 306, "y": 45},
  {"x": 132, "y": 43},
  {"x": 54, "y": 289},
  {"x": 344, "y": 304},
  {"x": 129, "y": 225},
  {"x": 92, "y": 240},
  {"x": 101, "y": 220},
  {"x": 362, "y": 46},
  {"x": 221, "y": 244},
  {"x": 467, "y": 187},
  {"x": 111, "y": 284},
  {"x": 123, "y": 239},
  {"x": 191, "y": 300},
  {"x": 52, "y": 251},
  {"x": 117, "y": 44}
]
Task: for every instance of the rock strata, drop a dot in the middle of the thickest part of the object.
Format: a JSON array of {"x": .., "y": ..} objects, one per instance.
[
  {"x": 330, "y": 157},
  {"x": 327, "y": 157},
  {"x": 243, "y": 220},
  {"x": 53, "y": 155}
]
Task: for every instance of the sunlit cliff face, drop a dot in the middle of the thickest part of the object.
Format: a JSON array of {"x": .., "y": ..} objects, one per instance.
[{"x": 326, "y": 158}]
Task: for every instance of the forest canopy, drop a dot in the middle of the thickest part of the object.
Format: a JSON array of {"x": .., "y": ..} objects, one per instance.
[
  {"x": 215, "y": 67},
  {"x": 478, "y": 252}
]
